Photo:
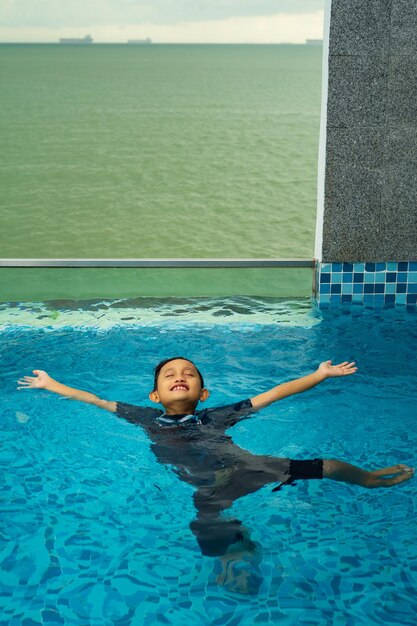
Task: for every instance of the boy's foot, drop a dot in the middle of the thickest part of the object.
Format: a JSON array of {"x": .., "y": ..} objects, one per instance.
[
  {"x": 390, "y": 476},
  {"x": 239, "y": 574}
]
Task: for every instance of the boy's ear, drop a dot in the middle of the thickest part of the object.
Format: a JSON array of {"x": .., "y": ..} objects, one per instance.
[
  {"x": 154, "y": 397},
  {"x": 204, "y": 394}
]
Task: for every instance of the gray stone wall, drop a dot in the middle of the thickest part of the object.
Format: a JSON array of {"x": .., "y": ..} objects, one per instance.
[{"x": 370, "y": 199}]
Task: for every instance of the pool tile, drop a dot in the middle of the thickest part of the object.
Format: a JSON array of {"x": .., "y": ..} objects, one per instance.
[{"x": 373, "y": 284}]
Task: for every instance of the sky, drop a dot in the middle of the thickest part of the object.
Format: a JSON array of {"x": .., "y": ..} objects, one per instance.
[{"x": 164, "y": 21}]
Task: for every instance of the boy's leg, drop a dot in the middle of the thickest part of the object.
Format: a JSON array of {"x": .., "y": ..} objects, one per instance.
[{"x": 385, "y": 477}]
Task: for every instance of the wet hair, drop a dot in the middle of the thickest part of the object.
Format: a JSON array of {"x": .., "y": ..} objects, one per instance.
[{"x": 174, "y": 358}]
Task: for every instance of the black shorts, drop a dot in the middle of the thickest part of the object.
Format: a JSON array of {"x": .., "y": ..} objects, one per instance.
[{"x": 312, "y": 468}]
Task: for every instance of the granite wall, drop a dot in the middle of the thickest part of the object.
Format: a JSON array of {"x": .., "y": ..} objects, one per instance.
[{"x": 370, "y": 186}]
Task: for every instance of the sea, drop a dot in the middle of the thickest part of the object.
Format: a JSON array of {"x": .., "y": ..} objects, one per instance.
[{"x": 159, "y": 150}]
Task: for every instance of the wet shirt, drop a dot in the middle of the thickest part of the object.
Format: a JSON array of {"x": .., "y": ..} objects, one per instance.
[{"x": 195, "y": 445}]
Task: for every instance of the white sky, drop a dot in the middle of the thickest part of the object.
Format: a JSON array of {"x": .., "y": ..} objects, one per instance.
[{"x": 164, "y": 21}]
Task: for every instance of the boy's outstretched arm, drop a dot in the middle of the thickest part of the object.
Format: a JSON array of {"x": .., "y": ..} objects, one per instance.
[
  {"x": 325, "y": 370},
  {"x": 42, "y": 380}
]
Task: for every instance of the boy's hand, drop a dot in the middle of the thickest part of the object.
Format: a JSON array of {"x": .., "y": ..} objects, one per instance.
[
  {"x": 331, "y": 371},
  {"x": 40, "y": 381}
]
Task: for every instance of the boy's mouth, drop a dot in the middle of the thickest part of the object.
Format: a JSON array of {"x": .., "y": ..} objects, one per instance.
[{"x": 179, "y": 388}]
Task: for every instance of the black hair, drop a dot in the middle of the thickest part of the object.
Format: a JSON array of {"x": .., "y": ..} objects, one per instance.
[{"x": 174, "y": 358}]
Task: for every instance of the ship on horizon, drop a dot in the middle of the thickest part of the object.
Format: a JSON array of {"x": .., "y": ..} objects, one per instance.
[
  {"x": 140, "y": 41},
  {"x": 87, "y": 39}
]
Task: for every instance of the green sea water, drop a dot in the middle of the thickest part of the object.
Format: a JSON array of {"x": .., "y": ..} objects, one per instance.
[{"x": 159, "y": 151}]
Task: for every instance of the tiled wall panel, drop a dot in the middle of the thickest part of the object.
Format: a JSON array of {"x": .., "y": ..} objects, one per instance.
[{"x": 376, "y": 285}]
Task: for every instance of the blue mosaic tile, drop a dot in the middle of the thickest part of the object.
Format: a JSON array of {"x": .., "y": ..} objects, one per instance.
[
  {"x": 379, "y": 300},
  {"x": 368, "y": 299},
  {"x": 373, "y": 284}
]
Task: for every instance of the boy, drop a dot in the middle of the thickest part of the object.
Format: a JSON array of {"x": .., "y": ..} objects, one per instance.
[{"x": 195, "y": 443}]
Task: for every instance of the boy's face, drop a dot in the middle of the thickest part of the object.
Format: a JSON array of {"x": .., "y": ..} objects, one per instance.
[{"x": 179, "y": 386}]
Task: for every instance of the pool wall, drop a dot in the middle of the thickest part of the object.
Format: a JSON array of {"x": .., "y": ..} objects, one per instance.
[
  {"x": 35, "y": 284},
  {"x": 366, "y": 242}
]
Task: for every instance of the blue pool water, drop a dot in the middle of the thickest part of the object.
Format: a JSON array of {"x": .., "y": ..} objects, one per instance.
[{"x": 94, "y": 531}]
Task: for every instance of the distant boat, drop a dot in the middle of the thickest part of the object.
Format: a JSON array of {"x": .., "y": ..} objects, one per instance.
[
  {"x": 140, "y": 41},
  {"x": 86, "y": 39},
  {"x": 314, "y": 42}
]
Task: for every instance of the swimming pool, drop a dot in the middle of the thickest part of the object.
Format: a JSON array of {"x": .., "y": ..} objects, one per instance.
[{"x": 96, "y": 531}]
